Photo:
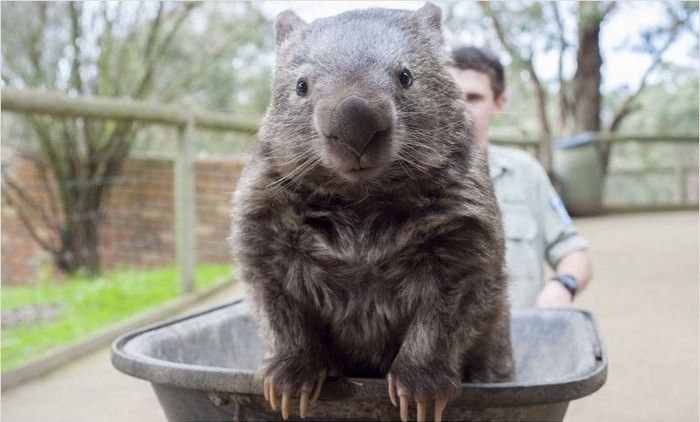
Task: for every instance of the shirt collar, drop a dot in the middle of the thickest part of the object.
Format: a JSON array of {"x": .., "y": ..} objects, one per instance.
[{"x": 498, "y": 164}]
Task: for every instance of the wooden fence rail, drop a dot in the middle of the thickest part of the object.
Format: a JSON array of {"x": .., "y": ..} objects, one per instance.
[{"x": 109, "y": 108}]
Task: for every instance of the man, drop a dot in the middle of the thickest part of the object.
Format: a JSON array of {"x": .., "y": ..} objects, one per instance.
[{"x": 536, "y": 224}]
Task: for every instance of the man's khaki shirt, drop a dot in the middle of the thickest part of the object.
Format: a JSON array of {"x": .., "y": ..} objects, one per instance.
[{"x": 536, "y": 224}]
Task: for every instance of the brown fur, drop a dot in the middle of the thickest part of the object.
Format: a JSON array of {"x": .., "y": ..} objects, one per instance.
[{"x": 403, "y": 272}]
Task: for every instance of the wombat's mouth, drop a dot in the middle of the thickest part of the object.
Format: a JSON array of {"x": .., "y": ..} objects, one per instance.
[
  {"x": 354, "y": 166},
  {"x": 361, "y": 174}
]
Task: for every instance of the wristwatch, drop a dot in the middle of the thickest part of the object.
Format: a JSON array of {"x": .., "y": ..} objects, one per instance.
[{"x": 568, "y": 281}]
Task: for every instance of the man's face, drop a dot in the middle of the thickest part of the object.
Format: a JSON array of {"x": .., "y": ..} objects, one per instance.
[{"x": 476, "y": 91}]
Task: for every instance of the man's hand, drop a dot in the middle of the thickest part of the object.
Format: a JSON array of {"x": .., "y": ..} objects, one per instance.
[{"x": 554, "y": 295}]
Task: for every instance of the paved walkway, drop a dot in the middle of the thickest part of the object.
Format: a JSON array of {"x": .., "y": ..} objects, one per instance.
[{"x": 644, "y": 295}]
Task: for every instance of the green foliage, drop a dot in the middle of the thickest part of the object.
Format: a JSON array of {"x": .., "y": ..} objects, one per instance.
[
  {"x": 529, "y": 31},
  {"x": 161, "y": 51},
  {"x": 222, "y": 59},
  {"x": 592, "y": 13},
  {"x": 87, "y": 304},
  {"x": 227, "y": 49},
  {"x": 667, "y": 109}
]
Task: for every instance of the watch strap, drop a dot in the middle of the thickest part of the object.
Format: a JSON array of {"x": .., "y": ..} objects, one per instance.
[{"x": 568, "y": 281}]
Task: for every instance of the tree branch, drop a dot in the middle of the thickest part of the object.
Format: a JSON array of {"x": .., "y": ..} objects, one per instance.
[
  {"x": 564, "y": 104},
  {"x": 500, "y": 33},
  {"x": 53, "y": 199},
  {"x": 627, "y": 106},
  {"x": 104, "y": 87},
  {"x": 26, "y": 204},
  {"x": 35, "y": 45},
  {"x": 541, "y": 97},
  {"x": 608, "y": 8},
  {"x": 152, "y": 59},
  {"x": 41, "y": 167},
  {"x": 44, "y": 138},
  {"x": 153, "y": 34},
  {"x": 75, "y": 11},
  {"x": 149, "y": 53}
]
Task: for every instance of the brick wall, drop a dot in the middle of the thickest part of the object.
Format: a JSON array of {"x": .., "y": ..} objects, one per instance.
[{"x": 138, "y": 224}]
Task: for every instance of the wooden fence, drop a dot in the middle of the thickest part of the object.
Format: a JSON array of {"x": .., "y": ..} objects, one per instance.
[
  {"x": 186, "y": 119},
  {"x": 189, "y": 119}
]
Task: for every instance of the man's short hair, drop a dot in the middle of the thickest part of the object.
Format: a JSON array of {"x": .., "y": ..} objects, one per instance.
[{"x": 468, "y": 57}]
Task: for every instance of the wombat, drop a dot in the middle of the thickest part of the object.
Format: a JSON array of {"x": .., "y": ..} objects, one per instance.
[{"x": 365, "y": 224}]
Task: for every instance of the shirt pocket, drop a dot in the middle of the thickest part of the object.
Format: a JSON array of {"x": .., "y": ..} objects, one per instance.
[
  {"x": 519, "y": 224},
  {"x": 522, "y": 257}
]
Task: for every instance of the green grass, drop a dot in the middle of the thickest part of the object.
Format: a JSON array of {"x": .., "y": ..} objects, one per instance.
[{"x": 89, "y": 304}]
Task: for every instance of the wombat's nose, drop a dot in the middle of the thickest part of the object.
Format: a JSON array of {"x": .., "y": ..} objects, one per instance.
[{"x": 356, "y": 124}]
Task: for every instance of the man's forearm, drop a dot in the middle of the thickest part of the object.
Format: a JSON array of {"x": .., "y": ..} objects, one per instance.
[
  {"x": 578, "y": 264},
  {"x": 554, "y": 294}
]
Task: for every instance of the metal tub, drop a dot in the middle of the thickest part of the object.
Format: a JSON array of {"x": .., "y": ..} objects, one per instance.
[{"x": 202, "y": 368}]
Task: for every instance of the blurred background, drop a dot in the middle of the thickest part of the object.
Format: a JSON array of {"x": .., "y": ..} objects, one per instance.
[{"x": 125, "y": 126}]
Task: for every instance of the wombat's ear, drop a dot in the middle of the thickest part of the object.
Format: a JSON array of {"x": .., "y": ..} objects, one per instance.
[
  {"x": 286, "y": 23},
  {"x": 430, "y": 15}
]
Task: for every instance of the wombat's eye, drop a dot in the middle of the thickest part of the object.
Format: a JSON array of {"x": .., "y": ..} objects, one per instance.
[
  {"x": 302, "y": 87},
  {"x": 406, "y": 79}
]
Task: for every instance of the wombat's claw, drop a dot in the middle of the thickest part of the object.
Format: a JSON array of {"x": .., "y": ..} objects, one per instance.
[
  {"x": 440, "y": 405},
  {"x": 309, "y": 390},
  {"x": 309, "y": 394},
  {"x": 404, "y": 397},
  {"x": 391, "y": 384}
]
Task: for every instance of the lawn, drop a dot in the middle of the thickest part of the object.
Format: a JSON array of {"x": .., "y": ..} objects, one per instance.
[{"x": 83, "y": 305}]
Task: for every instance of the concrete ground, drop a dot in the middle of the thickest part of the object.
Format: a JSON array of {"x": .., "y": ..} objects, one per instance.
[{"x": 644, "y": 296}]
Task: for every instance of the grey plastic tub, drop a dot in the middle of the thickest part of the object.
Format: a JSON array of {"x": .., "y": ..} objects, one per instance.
[
  {"x": 578, "y": 167},
  {"x": 202, "y": 368}
]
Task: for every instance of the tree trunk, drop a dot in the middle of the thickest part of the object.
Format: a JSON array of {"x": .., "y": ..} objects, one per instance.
[
  {"x": 587, "y": 97},
  {"x": 545, "y": 146},
  {"x": 82, "y": 156},
  {"x": 80, "y": 232},
  {"x": 80, "y": 242}
]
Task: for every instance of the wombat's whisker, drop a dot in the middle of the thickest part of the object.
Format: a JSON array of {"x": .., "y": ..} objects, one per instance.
[
  {"x": 412, "y": 150},
  {"x": 292, "y": 175},
  {"x": 416, "y": 165},
  {"x": 415, "y": 154},
  {"x": 438, "y": 129},
  {"x": 295, "y": 157},
  {"x": 420, "y": 150},
  {"x": 405, "y": 169},
  {"x": 301, "y": 167},
  {"x": 290, "y": 160}
]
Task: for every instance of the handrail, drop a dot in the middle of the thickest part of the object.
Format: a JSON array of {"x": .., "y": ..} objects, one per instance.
[
  {"x": 112, "y": 108},
  {"x": 58, "y": 104}
]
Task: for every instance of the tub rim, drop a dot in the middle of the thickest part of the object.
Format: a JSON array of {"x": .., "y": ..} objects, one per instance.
[{"x": 245, "y": 381}]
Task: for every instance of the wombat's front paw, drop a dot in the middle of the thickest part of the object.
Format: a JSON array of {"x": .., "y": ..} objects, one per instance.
[
  {"x": 422, "y": 383},
  {"x": 295, "y": 375}
]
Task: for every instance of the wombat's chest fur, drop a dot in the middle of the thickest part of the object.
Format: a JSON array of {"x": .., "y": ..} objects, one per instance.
[{"x": 361, "y": 281}]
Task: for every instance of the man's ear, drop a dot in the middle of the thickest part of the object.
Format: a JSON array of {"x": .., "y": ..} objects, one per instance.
[
  {"x": 501, "y": 101},
  {"x": 286, "y": 23}
]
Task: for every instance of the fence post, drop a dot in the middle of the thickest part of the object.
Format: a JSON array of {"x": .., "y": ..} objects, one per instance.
[
  {"x": 185, "y": 207},
  {"x": 684, "y": 186}
]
